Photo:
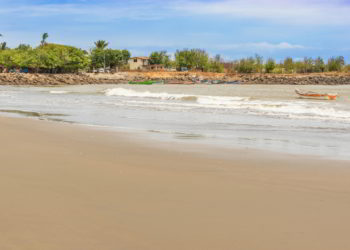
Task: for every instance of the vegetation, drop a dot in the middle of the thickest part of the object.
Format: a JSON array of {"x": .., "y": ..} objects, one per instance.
[
  {"x": 108, "y": 58},
  {"x": 270, "y": 65},
  {"x": 195, "y": 59},
  {"x": 160, "y": 57},
  {"x": 56, "y": 58},
  {"x": 336, "y": 64},
  {"x": 2, "y": 44},
  {"x": 249, "y": 65},
  {"x": 101, "y": 44},
  {"x": 287, "y": 66},
  {"x": 44, "y": 37},
  {"x": 48, "y": 58}
]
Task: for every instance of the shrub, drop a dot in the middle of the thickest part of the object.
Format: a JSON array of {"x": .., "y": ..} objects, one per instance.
[{"x": 270, "y": 65}]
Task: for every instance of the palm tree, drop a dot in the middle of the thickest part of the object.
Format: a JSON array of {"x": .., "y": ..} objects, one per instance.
[
  {"x": 44, "y": 38},
  {"x": 101, "y": 44},
  {"x": 3, "y": 46}
]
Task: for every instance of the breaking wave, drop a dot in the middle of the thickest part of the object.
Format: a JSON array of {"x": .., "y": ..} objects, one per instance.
[
  {"x": 167, "y": 96},
  {"x": 287, "y": 108},
  {"x": 57, "y": 92}
]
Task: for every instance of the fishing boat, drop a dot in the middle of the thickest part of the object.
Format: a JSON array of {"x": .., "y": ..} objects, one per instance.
[
  {"x": 159, "y": 82},
  {"x": 315, "y": 95},
  {"x": 217, "y": 82},
  {"x": 142, "y": 82},
  {"x": 233, "y": 82},
  {"x": 180, "y": 82},
  {"x": 205, "y": 81}
]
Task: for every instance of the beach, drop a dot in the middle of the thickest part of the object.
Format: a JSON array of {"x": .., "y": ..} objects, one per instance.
[{"x": 66, "y": 186}]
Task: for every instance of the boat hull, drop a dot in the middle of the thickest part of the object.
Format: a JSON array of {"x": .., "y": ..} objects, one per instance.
[{"x": 317, "y": 96}]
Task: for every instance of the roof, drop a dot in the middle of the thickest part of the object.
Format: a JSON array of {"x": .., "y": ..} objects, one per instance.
[{"x": 140, "y": 57}]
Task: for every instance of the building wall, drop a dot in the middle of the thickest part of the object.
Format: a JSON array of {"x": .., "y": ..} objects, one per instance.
[{"x": 137, "y": 63}]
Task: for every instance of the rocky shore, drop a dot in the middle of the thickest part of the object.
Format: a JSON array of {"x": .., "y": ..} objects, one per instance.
[{"x": 173, "y": 77}]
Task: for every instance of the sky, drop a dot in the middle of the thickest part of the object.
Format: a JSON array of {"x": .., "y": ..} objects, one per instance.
[{"x": 232, "y": 28}]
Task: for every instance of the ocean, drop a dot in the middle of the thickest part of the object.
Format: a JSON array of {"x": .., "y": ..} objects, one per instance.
[{"x": 266, "y": 117}]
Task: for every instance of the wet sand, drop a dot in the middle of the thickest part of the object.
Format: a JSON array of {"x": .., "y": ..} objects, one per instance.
[{"x": 71, "y": 187}]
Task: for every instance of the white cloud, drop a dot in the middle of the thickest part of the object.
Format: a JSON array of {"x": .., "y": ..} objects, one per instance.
[
  {"x": 260, "y": 46},
  {"x": 316, "y": 12},
  {"x": 292, "y": 12},
  {"x": 88, "y": 12}
]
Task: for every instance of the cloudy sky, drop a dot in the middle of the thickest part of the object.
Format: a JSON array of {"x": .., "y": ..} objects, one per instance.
[{"x": 232, "y": 28}]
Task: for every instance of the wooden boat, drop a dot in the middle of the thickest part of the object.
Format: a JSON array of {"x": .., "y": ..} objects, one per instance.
[
  {"x": 217, "y": 82},
  {"x": 158, "y": 82},
  {"x": 233, "y": 82},
  {"x": 315, "y": 95},
  {"x": 142, "y": 82},
  {"x": 180, "y": 82},
  {"x": 205, "y": 81}
]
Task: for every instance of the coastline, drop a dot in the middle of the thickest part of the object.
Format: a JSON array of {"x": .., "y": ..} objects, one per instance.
[
  {"x": 71, "y": 187},
  {"x": 172, "y": 77}
]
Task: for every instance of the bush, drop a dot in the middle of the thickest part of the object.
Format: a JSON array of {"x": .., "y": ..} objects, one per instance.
[
  {"x": 278, "y": 70},
  {"x": 336, "y": 63},
  {"x": 270, "y": 65},
  {"x": 288, "y": 65},
  {"x": 347, "y": 68},
  {"x": 245, "y": 65}
]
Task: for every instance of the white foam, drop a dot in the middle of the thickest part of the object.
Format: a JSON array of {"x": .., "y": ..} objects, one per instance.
[
  {"x": 145, "y": 94},
  {"x": 201, "y": 99},
  {"x": 57, "y": 92},
  {"x": 289, "y": 108}
]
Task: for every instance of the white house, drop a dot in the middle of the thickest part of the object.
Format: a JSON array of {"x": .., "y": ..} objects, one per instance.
[{"x": 138, "y": 63}]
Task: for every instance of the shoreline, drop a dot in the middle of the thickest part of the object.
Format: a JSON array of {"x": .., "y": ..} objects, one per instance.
[
  {"x": 72, "y": 187},
  {"x": 160, "y": 142},
  {"x": 173, "y": 77}
]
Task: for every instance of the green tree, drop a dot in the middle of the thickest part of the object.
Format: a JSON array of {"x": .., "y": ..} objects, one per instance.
[
  {"x": 160, "y": 57},
  {"x": 245, "y": 65},
  {"x": 44, "y": 37},
  {"x": 101, "y": 44},
  {"x": 336, "y": 63},
  {"x": 259, "y": 63},
  {"x": 24, "y": 47},
  {"x": 195, "y": 59},
  {"x": 3, "y": 46},
  {"x": 319, "y": 65},
  {"x": 270, "y": 65},
  {"x": 308, "y": 64},
  {"x": 288, "y": 65},
  {"x": 215, "y": 65},
  {"x": 109, "y": 58}
]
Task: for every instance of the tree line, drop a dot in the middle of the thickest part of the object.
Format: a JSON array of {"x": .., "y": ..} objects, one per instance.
[
  {"x": 288, "y": 65},
  {"x": 56, "y": 58}
]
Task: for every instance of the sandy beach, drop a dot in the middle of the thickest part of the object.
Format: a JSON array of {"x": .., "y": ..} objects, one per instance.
[{"x": 72, "y": 187}]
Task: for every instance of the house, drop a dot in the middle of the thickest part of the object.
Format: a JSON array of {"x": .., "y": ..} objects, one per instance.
[
  {"x": 155, "y": 67},
  {"x": 138, "y": 63}
]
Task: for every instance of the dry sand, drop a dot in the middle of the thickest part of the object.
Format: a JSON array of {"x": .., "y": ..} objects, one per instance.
[{"x": 70, "y": 187}]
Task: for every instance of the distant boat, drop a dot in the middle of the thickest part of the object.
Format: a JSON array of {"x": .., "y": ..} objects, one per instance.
[
  {"x": 180, "y": 82},
  {"x": 142, "y": 82},
  {"x": 217, "y": 82},
  {"x": 233, "y": 82},
  {"x": 315, "y": 95},
  {"x": 159, "y": 82}
]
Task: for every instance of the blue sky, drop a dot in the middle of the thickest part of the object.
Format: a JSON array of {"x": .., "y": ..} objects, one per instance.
[{"x": 232, "y": 28}]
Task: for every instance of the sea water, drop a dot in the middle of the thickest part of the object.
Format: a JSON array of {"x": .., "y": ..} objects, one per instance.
[{"x": 268, "y": 117}]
